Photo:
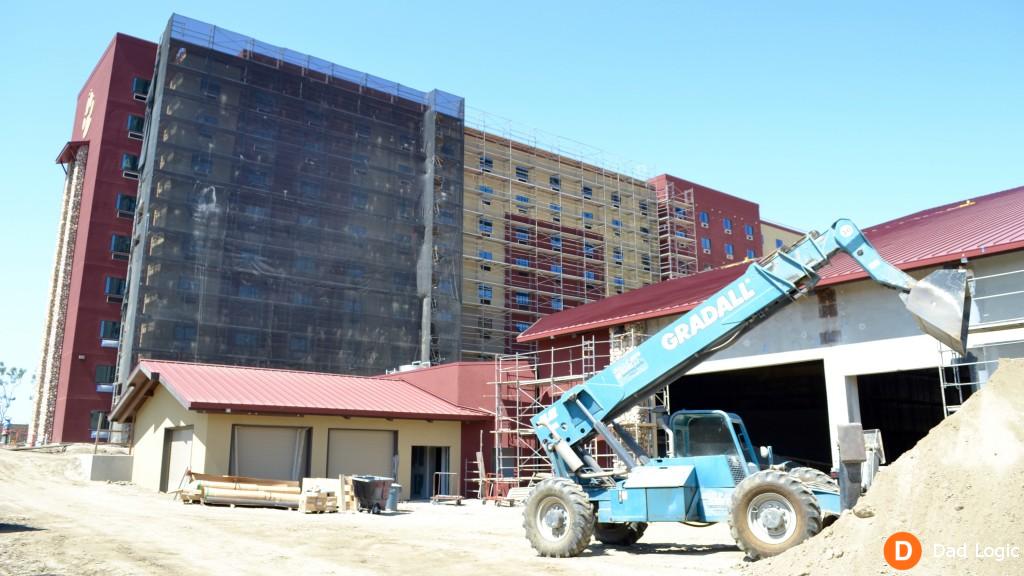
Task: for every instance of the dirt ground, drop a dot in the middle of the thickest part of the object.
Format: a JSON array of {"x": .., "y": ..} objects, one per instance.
[{"x": 51, "y": 522}]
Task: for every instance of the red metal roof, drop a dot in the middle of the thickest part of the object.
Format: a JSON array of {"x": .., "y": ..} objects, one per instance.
[
  {"x": 976, "y": 227},
  {"x": 242, "y": 389}
]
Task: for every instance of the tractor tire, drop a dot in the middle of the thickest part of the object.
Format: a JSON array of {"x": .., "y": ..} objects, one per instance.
[
  {"x": 772, "y": 511},
  {"x": 559, "y": 518},
  {"x": 811, "y": 475},
  {"x": 619, "y": 534}
]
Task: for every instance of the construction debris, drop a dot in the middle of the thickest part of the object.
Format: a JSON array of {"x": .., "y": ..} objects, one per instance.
[{"x": 957, "y": 491}]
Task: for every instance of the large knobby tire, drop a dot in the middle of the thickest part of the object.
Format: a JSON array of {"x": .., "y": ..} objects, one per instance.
[
  {"x": 559, "y": 518},
  {"x": 772, "y": 512},
  {"x": 811, "y": 476},
  {"x": 619, "y": 534}
]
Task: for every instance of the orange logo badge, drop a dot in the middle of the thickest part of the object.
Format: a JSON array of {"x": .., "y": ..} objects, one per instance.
[{"x": 902, "y": 550}]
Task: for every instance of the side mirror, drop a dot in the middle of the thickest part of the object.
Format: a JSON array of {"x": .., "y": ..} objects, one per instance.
[{"x": 767, "y": 455}]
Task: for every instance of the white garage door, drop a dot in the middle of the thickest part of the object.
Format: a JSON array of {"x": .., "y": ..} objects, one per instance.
[
  {"x": 177, "y": 457},
  {"x": 360, "y": 452},
  {"x": 275, "y": 452}
]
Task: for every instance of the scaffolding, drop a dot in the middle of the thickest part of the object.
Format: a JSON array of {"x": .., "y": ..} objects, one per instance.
[
  {"x": 677, "y": 237},
  {"x": 527, "y": 383},
  {"x": 997, "y": 307},
  {"x": 548, "y": 225}
]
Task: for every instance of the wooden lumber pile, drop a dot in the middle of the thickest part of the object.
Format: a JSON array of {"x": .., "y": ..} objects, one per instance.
[
  {"x": 240, "y": 491},
  {"x": 347, "y": 501}
]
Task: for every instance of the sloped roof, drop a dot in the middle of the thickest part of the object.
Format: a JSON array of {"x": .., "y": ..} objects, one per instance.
[
  {"x": 240, "y": 389},
  {"x": 975, "y": 227}
]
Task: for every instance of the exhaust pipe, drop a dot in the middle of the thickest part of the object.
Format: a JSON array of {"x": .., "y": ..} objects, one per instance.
[{"x": 941, "y": 304}]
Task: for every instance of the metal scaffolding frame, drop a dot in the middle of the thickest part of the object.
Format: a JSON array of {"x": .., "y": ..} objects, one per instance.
[{"x": 527, "y": 383}]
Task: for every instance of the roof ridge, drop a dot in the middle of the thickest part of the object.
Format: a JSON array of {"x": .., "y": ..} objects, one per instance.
[{"x": 263, "y": 368}]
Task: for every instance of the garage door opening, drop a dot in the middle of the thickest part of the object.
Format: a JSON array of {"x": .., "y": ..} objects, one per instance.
[
  {"x": 903, "y": 405},
  {"x": 783, "y": 406},
  {"x": 272, "y": 452},
  {"x": 373, "y": 452},
  {"x": 177, "y": 457},
  {"x": 430, "y": 472}
]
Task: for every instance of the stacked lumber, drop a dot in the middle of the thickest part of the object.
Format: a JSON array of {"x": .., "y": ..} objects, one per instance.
[
  {"x": 240, "y": 491},
  {"x": 347, "y": 503}
]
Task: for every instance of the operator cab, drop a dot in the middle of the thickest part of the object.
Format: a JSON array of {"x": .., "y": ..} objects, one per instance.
[{"x": 699, "y": 433}]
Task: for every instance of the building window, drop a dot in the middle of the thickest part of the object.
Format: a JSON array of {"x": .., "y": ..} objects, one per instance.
[
  {"x": 778, "y": 243},
  {"x": 556, "y": 243},
  {"x": 704, "y": 219},
  {"x": 485, "y": 189},
  {"x": 140, "y": 88},
  {"x": 727, "y": 225},
  {"x": 729, "y": 251},
  {"x": 590, "y": 275},
  {"x": 680, "y": 212},
  {"x": 130, "y": 166},
  {"x": 522, "y": 299},
  {"x": 643, "y": 207},
  {"x": 523, "y": 199},
  {"x": 184, "y": 336},
  {"x": 522, "y": 234},
  {"x": 110, "y": 330},
  {"x": 588, "y": 249},
  {"x": 616, "y": 223},
  {"x": 644, "y": 230},
  {"x": 522, "y": 262},
  {"x": 209, "y": 88},
  {"x": 298, "y": 344},
  {"x": 617, "y": 255},
  {"x": 616, "y": 200},
  {"x": 748, "y": 231},
  {"x": 105, "y": 377},
  {"x": 125, "y": 205},
  {"x": 136, "y": 126},
  {"x": 705, "y": 244},
  {"x": 113, "y": 288},
  {"x": 555, "y": 182},
  {"x": 556, "y": 268},
  {"x": 99, "y": 426},
  {"x": 485, "y": 255},
  {"x": 645, "y": 261},
  {"x": 750, "y": 253},
  {"x": 246, "y": 339},
  {"x": 484, "y": 293},
  {"x": 618, "y": 281},
  {"x": 120, "y": 246},
  {"x": 486, "y": 227},
  {"x": 486, "y": 163},
  {"x": 521, "y": 326},
  {"x": 362, "y": 131},
  {"x": 588, "y": 215},
  {"x": 556, "y": 303},
  {"x": 201, "y": 163},
  {"x": 522, "y": 173},
  {"x": 248, "y": 291}
]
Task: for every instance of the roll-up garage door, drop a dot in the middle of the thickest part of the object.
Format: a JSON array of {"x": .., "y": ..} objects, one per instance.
[
  {"x": 360, "y": 452},
  {"x": 275, "y": 452}
]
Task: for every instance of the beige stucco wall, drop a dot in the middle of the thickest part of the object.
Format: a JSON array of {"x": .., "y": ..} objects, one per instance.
[
  {"x": 410, "y": 432},
  {"x": 211, "y": 444},
  {"x": 770, "y": 232},
  {"x": 158, "y": 413}
]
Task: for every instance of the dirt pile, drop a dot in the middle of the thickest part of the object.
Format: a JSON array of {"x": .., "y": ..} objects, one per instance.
[{"x": 960, "y": 491}]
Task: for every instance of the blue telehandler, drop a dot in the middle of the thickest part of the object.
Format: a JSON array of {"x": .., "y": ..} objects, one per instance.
[{"x": 714, "y": 473}]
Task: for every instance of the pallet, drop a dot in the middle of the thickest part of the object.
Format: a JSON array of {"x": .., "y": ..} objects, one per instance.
[{"x": 515, "y": 496}]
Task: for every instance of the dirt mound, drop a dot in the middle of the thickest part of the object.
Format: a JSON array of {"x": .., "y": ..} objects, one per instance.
[{"x": 959, "y": 491}]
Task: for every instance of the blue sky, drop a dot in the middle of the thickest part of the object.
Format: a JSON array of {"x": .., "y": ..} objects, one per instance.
[{"x": 815, "y": 110}]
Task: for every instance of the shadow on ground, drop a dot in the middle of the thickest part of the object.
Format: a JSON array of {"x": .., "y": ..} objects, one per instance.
[{"x": 12, "y": 528}]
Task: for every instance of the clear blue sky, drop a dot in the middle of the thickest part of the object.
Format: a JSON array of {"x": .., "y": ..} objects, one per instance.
[{"x": 815, "y": 110}]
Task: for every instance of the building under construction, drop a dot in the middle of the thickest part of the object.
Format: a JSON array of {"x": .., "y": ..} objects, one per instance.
[{"x": 292, "y": 213}]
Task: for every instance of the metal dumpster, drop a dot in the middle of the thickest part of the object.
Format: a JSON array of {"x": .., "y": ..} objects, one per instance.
[{"x": 371, "y": 492}]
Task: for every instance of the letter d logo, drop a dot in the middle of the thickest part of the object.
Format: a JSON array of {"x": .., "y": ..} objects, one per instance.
[{"x": 902, "y": 550}]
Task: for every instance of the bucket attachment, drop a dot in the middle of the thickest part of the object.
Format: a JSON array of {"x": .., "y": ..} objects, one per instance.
[{"x": 941, "y": 303}]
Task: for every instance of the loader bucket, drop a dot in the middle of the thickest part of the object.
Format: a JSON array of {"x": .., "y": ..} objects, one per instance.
[{"x": 941, "y": 304}]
